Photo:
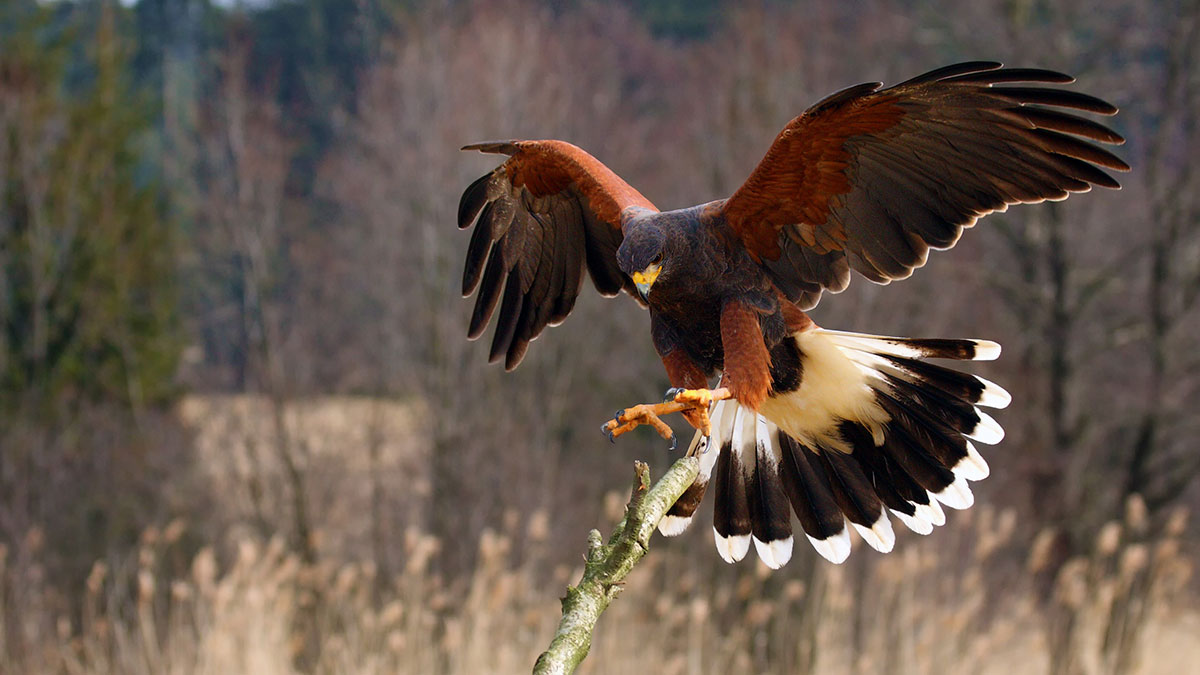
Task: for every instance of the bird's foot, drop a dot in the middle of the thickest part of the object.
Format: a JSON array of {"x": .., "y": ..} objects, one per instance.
[
  {"x": 693, "y": 403},
  {"x": 645, "y": 413}
]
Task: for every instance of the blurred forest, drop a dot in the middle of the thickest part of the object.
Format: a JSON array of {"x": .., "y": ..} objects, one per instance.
[{"x": 242, "y": 430}]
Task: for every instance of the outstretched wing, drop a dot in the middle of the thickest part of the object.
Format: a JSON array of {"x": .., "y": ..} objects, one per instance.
[
  {"x": 539, "y": 218},
  {"x": 871, "y": 179}
]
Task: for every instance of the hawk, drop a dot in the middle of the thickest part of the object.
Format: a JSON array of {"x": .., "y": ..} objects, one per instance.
[{"x": 840, "y": 428}]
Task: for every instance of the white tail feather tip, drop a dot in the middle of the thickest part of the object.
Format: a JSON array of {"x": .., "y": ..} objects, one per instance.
[
  {"x": 993, "y": 396},
  {"x": 957, "y": 495},
  {"x": 973, "y": 466},
  {"x": 988, "y": 430},
  {"x": 880, "y": 536},
  {"x": 732, "y": 549},
  {"x": 986, "y": 350},
  {"x": 933, "y": 511},
  {"x": 774, "y": 554},
  {"x": 917, "y": 522},
  {"x": 835, "y": 549},
  {"x": 672, "y": 526}
]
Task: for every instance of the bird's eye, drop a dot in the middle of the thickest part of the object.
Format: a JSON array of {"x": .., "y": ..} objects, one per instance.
[{"x": 657, "y": 259}]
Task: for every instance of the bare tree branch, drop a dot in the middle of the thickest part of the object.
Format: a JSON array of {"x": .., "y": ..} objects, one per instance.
[{"x": 608, "y": 564}]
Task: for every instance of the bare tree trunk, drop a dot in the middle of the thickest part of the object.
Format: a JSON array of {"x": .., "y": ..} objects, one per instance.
[{"x": 1171, "y": 220}]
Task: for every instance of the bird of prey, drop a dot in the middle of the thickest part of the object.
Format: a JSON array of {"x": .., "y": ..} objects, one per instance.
[{"x": 841, "y": 428}]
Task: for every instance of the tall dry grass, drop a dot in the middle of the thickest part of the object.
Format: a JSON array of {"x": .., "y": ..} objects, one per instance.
[{"x": 966, "y": 598}]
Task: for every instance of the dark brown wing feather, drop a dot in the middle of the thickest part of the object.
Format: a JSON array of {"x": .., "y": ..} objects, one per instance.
[
  {"x": 540, "y": 217},
  {"x": 871, "y": 179}
]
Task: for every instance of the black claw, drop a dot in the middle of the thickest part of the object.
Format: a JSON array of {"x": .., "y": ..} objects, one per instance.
[
  {"x": 671, "y": 394},
  {"x": 607, "y": 430},
  {"x": 674, "y": 443}
]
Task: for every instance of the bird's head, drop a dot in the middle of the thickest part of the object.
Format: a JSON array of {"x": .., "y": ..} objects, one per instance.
[{"x": 645, "y": 255}]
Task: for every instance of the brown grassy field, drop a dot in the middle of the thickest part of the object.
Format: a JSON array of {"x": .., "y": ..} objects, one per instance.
[
  {"x": 973, "y": 596},
  {"x": 913, "y": 613}
]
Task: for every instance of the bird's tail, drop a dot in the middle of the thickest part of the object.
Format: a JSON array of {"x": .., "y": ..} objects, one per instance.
[{"x": 869, "y": 426}]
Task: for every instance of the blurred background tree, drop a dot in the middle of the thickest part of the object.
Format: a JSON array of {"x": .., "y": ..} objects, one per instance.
[
  {"x": 89, "y": 337},
  {"x": 89, "y": 274}
]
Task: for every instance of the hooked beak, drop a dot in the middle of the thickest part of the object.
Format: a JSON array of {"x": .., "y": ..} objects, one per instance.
[{"x": 645, "y": 279}]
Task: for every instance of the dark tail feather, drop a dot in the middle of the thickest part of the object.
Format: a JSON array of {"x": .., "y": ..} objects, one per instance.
[
  {"x": 907, "y": 500},
  {"x": 731, "y": 509},
  {"x": 943, "y": 410},
  {"x": 679, "y": 516},
  {"x": 958, "y": 349},
  {"x": 911, "y": 455},
  {"x": 770, "y": 517},
  {"x": 708, "y": 449},
  {"x": 859, "y": 501},
  {"x": 807, "y": 485},
  {"x": 970, "y": 388}
]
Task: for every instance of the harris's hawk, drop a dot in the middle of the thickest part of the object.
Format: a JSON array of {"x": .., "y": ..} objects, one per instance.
[{"x": 838, "y": 427}]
